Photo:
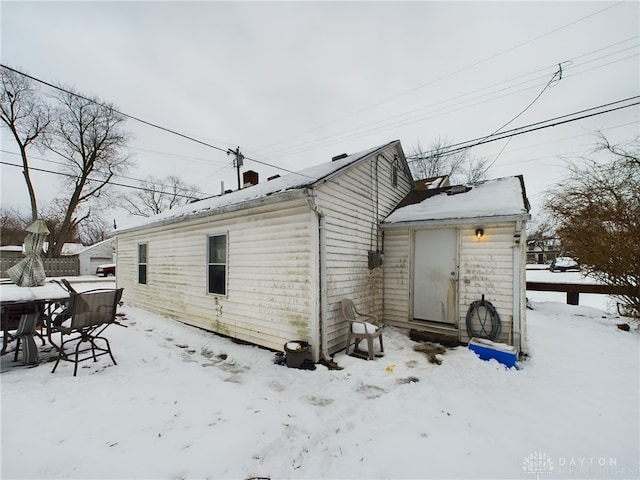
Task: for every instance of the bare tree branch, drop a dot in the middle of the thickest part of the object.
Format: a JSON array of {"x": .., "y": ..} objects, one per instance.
[
  {"x": 158, "y": 195},
  {"x": 26, "y": 117},
  {"x": 91, "y": 138},
  {"x": 436, "y": 161}
]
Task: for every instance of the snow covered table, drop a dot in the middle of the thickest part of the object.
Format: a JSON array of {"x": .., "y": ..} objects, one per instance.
[{"x": 16, "y": 301}]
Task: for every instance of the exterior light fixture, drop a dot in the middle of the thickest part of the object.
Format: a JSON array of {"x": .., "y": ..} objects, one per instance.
[{"x": 479, "y": 233}]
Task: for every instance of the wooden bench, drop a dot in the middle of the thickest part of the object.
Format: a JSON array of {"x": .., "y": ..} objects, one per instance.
[{"x": 573, "y": 290}]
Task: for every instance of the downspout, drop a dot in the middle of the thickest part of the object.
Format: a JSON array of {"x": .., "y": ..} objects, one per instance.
[
  {"x": 322, "y": 239},
  {"x": 517, "y": 314}
]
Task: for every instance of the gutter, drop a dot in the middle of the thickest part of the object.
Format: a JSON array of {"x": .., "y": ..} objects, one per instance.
[
  {"x": 195, "y": 214},
  {"x": 322, "y": 240},
  {"x": 436, "y": 222}
]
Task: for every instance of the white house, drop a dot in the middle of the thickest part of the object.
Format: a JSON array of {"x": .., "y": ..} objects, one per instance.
[
  {"x": 446, "y": 248},
  {"x": 270, "y": 263}
]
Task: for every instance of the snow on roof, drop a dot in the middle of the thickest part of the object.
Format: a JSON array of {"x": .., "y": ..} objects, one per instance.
[
  {"x": 68, "y": 249},
  {"x": 11, "y": 248},
  {"x": 292, "y": 181},
  {"x": 499, "y": 197},
  {"x": 96, "y": 245}
]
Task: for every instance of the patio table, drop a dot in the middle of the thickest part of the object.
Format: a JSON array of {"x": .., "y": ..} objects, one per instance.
[{"x": 16, "y": 301}]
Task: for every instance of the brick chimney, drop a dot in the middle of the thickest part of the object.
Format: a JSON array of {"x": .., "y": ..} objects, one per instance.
[{"x": 249, "y": 178}]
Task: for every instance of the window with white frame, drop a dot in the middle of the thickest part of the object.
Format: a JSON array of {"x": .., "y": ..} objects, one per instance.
[
  {"x": 217, "y": 264},
  {"x": 142, "y": 263}
]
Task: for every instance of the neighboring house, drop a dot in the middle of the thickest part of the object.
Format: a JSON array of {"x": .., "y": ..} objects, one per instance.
[
  {"x": 97, "y": 254},
  {"x": 542, "y": 251},
  {"x": 447, "y": 248},
  {"x": 270, "y": 263}
]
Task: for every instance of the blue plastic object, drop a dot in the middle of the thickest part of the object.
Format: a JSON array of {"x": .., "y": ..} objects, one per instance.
[{"x": 486, "y": 350}]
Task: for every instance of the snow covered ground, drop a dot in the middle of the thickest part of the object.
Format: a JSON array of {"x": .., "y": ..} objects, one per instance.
[{"x": 184, "y": 403}]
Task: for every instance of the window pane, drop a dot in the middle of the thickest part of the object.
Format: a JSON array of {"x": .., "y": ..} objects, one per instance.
[
  {"x": 217, "y": 282},
  {"x": 142, "y": 274},
  {"x": 218, "y": 249},
  {"x": 142, "y": 253}
]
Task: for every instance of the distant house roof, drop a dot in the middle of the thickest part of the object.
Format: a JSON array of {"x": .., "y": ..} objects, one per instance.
[
  {"x": 96, "y": 245},
  {"x": 69, "y": 249},
  {"x": 432, "y": 182},
  {"x": 277, "y": 187},
  {"x": 11, "y": 248},
  {"x": 503, "y": 197}
]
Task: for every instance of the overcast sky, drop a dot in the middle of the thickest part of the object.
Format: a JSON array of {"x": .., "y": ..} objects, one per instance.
[{"x": 295, "y": 83}]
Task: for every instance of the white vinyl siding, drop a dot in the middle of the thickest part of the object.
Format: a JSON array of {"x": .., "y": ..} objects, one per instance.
[
  {"x": 273, "y": 259},
  {"x": 353, "y": 206},
  {"x": 271, "y": 279},
  {"x": 397, "y": 276},
  {"x": 486, "y": 268}
]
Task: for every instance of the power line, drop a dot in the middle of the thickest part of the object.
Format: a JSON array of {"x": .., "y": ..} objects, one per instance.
[
  {"x": 404, "y": 119},
  {"x": 74, "y": 176},
  {"x": 56, "y": 87},
  {"x": 281, "y": 168},
  {"x": 177, "y": 155},
  {"x": 69, "y": 175},
  {"x": 444, "y": 77},
  {"x": 531, "y": 128},
  {"x": 563, "y": 139},
  {"x": 137, "y": 119}
]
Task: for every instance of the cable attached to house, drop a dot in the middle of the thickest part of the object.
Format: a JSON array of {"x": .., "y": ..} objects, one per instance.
[{"x": 483, "y": 320}]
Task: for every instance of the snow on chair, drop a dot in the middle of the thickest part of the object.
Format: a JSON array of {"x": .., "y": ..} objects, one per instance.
[{"x": 361, "y": 327}]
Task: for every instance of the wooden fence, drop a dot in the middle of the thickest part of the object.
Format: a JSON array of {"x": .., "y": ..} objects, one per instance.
[
  {"x": 53, "y": 267},
  {"x": 573, "y": 290}
]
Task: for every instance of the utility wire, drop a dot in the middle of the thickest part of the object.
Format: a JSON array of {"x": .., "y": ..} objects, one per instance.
[
  {"x": 69, "y": 175},
  {"x": 137, "y": 119},
  {"x": 280, "y": 168},
  {"x": 531, "y": 127},
  {"x": 48, "y": 160},
  {"x": 556, "y": 77},
  {"x": 386, "y": 124},
  {"x": 444, "y": 77},
  {"x": 56, "y": 87}
]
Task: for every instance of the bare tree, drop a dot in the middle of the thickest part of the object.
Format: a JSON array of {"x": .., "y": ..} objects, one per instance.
[
  {"x": 437, "y": 160},
  {"x": 597, "y": 213},
  {"x": 95, "y": 229},
  {"x": 12, "y": 225},
  {"x": 54, "y": 213},
  {"x": 90, "y": 137},
  {"x": 476, "y": 170},
  {"x": 157, "y": 195},
  {"x": 26, "y": 117}
]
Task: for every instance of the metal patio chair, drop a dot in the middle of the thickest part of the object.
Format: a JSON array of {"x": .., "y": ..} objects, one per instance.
[
  {"x": 87, "y": 315},
  {"x": 24, "y": 333},
  {"x": 361, "y": 327}
]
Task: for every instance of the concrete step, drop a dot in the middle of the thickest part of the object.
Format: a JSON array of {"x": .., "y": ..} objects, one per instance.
[{"x": 434, "y": 332}]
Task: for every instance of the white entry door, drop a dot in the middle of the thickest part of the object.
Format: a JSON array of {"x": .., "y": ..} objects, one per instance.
[{"x": 435, "y": 275}]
